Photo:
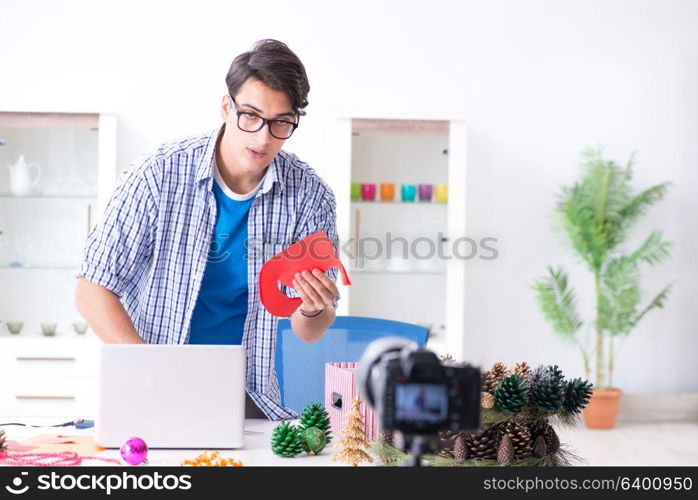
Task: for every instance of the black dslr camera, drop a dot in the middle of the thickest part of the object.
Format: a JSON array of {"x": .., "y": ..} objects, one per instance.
[{"x": 416, "y": 394}]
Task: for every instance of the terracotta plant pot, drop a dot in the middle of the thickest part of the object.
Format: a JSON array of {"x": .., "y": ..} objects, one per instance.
[{"x": 602, "y": 410}]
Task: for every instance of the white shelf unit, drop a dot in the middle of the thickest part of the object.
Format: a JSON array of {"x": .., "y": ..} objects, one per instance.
[
  {"x": 42, "y": 241},
  {"x": 385, "y": 148}
]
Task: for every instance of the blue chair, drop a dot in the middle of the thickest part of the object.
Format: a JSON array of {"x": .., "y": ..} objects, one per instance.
[{"x": 300, "y": 367}]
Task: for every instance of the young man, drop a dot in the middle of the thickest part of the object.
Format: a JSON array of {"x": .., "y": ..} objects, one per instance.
[{"x": 169, "y": 262}]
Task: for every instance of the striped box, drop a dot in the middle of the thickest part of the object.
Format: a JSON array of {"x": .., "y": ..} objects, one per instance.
[{"x": 340, "y": 389}]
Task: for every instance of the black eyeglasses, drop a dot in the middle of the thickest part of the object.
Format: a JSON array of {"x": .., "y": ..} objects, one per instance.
[{"x": 250, "y": 122}]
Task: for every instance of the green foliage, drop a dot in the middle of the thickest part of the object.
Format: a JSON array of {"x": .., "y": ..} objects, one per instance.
[
  {"x": 388, "y": 454},
  {"x": 597, "y": 214},
  {"x": 558, "y": 302},
  {"x": 590, "y": 211}
]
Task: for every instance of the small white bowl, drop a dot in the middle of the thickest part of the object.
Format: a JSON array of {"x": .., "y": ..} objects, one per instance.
[{"x": 49, "y": 329}]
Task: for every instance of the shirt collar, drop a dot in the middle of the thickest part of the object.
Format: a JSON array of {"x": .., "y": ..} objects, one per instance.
[{"x": 205, "y": 168}]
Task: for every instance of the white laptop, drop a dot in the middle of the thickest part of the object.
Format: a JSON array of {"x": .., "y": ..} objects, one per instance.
[{"x": 171, "y": 396}]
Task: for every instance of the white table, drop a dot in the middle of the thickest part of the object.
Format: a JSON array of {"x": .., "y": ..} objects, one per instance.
[{"x": 256, "y": 451}]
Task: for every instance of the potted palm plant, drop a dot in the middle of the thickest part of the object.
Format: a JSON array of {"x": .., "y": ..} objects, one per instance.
[{"x": 596, "y": 215}]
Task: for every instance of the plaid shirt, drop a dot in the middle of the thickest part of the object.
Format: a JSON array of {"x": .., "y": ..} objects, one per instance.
[{"x": 152, "y": 245}]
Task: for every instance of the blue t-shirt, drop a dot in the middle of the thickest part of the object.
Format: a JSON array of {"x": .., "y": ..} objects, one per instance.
[{"x": 221, "y": 306}]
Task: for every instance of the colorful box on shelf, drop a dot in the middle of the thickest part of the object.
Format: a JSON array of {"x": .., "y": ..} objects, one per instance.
[{"x": 340, "y": 389}]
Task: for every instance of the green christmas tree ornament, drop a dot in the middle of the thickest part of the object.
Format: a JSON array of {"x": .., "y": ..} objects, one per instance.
[
  {"x": 285, "y": 440},
  {"x": 315, "y": 415},
  {"x": 313, "y": 440},
  {"x": 511, "y": 395}
]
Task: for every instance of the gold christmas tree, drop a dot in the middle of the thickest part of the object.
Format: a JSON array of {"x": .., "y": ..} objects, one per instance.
[{"x": 353, "y": 436}]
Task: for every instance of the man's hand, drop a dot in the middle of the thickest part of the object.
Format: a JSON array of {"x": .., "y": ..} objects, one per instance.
[
  {"x": 318, "y": 294},
  {"x": 317, "y": 291}
]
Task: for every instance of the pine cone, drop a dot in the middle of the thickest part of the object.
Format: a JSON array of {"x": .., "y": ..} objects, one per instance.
[
  {"x": 547, "y": 390},
  {"x": 315, "y": 415},
  {"x": 505, "y": 452},
  {"x": 542, "y": 372},
  {"x": 537, "y": 375},
  {"x": 520, "y": 438},
  {"x": 447, "y": 438},
  {"x": 447, "y": 435},
  {"x": 539, "y": 448},
  {"x": 482, "y": 444},
  {"x": 387, "y": 437},
  {"x": 552, "y": 441},
  {"x": 487, "y": 381},
  {"x": 285, "y": 440},
  {"x": 3, "y": 441},
  {"x": 577, "y": 395},
  {"x": 460, "y": 449},
  {"x": 486, "y": 400},
  {"x": 492, "y": 377},
  {"x": 511, "y": 395},
  {"x": 522, "y": 370},
  {"x": 444, "y": 445},
  {"x": 556, "y": 373}
]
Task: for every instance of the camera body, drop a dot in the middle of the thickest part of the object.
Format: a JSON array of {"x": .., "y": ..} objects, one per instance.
[{"x": 415, "y": 393}]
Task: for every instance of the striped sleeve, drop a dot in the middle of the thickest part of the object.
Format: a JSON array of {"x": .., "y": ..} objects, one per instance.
[{"x": 119, "y": 247}]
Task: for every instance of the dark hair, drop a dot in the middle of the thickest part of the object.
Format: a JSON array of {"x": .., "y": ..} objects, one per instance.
[{"x": 272, "y": 63}]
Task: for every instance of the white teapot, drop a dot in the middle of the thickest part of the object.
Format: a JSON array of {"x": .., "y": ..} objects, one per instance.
[{"x": 21, "y": 182}]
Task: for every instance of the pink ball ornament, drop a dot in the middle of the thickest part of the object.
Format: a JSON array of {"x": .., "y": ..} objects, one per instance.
[{"x": 134, "y": 451}]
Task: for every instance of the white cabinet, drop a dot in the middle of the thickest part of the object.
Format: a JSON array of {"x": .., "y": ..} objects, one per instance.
[
  {"x": 48, "y": 377},
  {"x": 404, "y": 257},
  {"x": 42, "y": 235}
]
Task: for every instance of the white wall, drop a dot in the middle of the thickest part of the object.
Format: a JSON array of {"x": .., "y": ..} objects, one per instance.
[{"x": 537, "y": 81}]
